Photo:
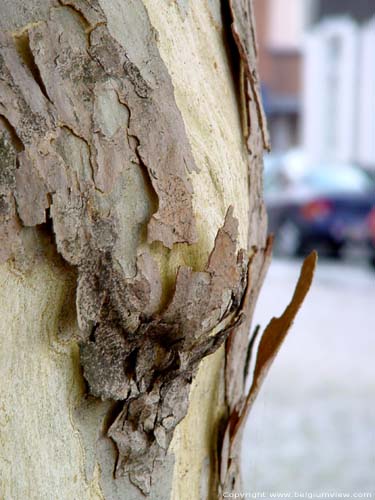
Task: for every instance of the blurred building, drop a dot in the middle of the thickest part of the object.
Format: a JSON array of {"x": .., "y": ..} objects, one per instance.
[
  {"x": 339, "y": 82},
  {"x": 280, "y": 27},
  {"x": 360, "y": 10}
]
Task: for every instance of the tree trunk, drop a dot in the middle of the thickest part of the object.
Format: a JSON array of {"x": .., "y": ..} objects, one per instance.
[{"x": 133, "y": 242}]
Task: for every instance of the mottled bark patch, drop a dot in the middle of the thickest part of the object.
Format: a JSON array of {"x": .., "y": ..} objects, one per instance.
[
  {"x": 92, "y": 142},
  {"x": 149, "y": 360}
]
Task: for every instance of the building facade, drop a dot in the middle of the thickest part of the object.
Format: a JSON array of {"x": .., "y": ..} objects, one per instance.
[
  {"x": 280, "y": 25},
  {"x": 338, "y": 110}
]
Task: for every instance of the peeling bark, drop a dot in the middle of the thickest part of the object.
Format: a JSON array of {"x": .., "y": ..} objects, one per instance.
[
  {"x": 84, "y": 76},
  {"x": 149, "y": 361},
  {"x": 270, "y": 343}
]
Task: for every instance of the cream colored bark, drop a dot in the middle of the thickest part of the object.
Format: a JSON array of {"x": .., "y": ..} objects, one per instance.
[{"x": 53, "y": 441}]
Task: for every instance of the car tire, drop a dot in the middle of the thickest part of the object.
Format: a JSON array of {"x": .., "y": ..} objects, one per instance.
[{"x": 288, "y": 240}]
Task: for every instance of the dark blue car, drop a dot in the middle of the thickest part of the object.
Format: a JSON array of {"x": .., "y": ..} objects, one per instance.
[{"x": 325, "y": 208}]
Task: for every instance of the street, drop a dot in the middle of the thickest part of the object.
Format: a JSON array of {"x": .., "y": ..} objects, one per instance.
[{"x": 312, "y": 427}]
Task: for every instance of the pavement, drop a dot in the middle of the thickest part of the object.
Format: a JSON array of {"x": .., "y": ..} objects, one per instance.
[{"x": 312, "y": 428}]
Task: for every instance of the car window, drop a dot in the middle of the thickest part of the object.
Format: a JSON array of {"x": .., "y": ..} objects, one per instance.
[{"x": 339, "y": 179}]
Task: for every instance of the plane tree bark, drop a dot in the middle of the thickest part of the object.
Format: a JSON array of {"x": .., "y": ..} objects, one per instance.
[{"x": 133, "y": 246}]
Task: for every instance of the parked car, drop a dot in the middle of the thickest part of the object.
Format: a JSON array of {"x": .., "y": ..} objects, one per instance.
[{"x": 323, "y": 207}]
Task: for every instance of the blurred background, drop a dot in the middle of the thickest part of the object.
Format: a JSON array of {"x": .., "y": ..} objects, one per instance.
[{"x": 313, "y": 427}]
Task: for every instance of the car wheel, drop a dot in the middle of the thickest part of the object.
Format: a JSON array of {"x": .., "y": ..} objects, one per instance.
[{"x": 288, "y": 240}]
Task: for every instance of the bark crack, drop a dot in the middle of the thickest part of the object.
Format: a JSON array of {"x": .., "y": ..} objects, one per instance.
[{"x": 22, "y": 44}]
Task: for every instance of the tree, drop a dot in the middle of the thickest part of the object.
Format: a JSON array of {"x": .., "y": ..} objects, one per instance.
[{"x": 133, "y": 242}]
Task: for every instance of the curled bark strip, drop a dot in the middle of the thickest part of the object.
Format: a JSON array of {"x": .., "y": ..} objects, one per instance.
[
  {"x": 270, "y": 343},
  {"x": 274, "y": 335}
]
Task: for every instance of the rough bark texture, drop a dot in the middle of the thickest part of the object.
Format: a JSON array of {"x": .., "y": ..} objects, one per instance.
[{"x": 132, "y": 225}]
